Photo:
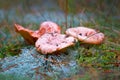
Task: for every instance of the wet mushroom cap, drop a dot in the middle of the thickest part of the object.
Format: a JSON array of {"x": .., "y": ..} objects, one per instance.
[
  {"x": 53, "y": 42},
  {"x": 29, "y": 35},
  {"x": 49, "y": 27},
  {"x": 86, "y": 35}
]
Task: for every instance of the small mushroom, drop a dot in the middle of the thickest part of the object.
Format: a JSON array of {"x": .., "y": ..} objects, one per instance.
[
  {"x": 49, "y": 27},
  {"x": 53, "y": 43},
  {"x": 29, "y": 35},
  {"x": 86, "y": 35}
]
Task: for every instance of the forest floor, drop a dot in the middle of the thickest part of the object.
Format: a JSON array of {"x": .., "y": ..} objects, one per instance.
[{"x": 16, "y": 56}]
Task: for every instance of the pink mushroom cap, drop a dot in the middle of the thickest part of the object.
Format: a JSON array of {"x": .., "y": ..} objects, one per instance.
[
  {"x": 52, "y": 43},
  {"x": 49, "y": 27},
  {"x": 86, "y": 35}
]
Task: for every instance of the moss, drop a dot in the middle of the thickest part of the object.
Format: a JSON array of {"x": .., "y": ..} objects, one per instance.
[{"x": 13, "y": 77}]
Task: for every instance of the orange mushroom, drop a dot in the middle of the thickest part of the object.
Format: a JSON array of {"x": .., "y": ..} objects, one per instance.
[
  {"x": 86, "y": 35},
  {"x": 29, "y": 35},
  {"x": 53, "y": 42}
]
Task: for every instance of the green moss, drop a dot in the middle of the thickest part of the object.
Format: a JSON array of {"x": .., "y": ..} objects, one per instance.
[
  {"x": 10, "y": 50},
  {"x": 98, "y": 56},
  {"x": 13, "y": 77}
]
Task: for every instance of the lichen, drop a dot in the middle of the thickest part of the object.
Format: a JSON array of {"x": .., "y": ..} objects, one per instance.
[{"x": 32, "y": 64}]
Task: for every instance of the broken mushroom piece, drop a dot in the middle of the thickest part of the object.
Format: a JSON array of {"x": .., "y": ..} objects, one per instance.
[
  {"x": 49, "y": 27},
  {"x": 29, "y": 35},
  {"x": 86, "y": 35},
  {"x": 53, "y": 42}
]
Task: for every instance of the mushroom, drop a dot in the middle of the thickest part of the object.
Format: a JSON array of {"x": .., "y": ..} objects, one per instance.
[
  {"x": 53, "y": 43},
  {"x": 29, "y": 35},
  {"x": 49, "y": 27},
  {"x": 86, "y": 35}
]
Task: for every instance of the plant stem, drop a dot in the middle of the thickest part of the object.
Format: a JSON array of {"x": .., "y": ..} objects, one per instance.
[{"x": 66, "y": 9}]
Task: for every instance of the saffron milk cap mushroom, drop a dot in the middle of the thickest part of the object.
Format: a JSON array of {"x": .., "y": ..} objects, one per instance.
[
  {"x": 50, "y": 43},
  {"x": 30, "y": 36},
  {"x": 49, "y": 27},
  {"x": 86, "y": 35}
]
